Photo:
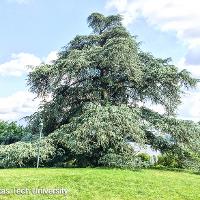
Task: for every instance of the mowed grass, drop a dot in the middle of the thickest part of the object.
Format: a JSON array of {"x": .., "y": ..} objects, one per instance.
[{"x": 102, "y": 184}]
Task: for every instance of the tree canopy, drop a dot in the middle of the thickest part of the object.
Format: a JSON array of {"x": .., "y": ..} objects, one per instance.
[
  {"x": 10, "y": 132},
  {"x": 96, "y": 86}
]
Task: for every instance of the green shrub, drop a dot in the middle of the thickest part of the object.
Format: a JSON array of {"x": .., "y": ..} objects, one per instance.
[
  {"x": 124, "y": 160},
  {"x": 23, "y": 154},
  {"x": 10, "y": 132},
  {"x": 144, "y": 157},
  {"x": 169, "y": 160}
]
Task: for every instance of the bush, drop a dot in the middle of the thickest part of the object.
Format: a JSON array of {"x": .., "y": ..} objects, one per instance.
[
  {"x": 10, "y": 132},
  {"x": 125, "y": 160},
  {"x": 144, "y": 157},
  {"x": 23, "y": 154},
  {"x": 169, "y": 160},
  {"x": 192, "y": 162}
]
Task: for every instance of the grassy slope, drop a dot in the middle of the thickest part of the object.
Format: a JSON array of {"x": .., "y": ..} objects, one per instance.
[{"x": 104, "y": 184}]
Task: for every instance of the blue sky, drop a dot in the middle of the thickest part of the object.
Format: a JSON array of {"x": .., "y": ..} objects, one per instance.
[
  {"x": 33, "y": 31},
  {"x": 37, "y": 26}
]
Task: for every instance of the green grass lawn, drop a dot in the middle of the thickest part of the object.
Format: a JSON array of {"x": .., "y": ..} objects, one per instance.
[{"x": 100, "y": 184}]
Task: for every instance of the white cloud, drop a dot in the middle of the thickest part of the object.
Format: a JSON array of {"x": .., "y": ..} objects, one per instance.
[
  {"x": 181, "y": 16},
  {"x": 189, "y": 109},
  {"x": 192, "y": 68},
  {"x": 18, "y": 65},
  {"x": 53, "y": 55},
  {"x": 18, "y": 105},
  {"x": 21, "y": 103}
]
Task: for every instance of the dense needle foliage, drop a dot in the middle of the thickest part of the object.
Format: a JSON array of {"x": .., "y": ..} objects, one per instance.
[{"x": 97, "y": 85}]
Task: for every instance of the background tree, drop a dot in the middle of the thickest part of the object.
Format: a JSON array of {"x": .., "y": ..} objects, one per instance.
[{"x": 10, "y": 132}]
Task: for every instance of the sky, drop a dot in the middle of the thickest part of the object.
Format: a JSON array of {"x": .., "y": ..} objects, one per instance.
[{"x": 33, "y": 31}]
